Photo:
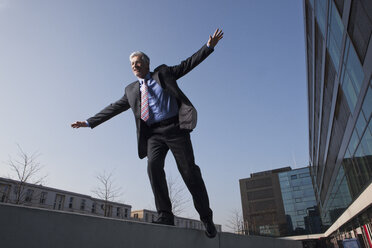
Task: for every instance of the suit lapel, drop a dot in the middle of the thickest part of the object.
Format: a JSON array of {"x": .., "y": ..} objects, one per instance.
[
  {"x": 155, "y": 76},
  {"x": 134, "y": 98},
  {"x": 166, "y": 87}
]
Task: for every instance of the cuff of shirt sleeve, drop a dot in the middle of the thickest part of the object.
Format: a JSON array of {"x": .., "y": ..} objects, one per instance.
[
  {"x": 210, "y": 47},
  {"x": 87, "y": 123}
]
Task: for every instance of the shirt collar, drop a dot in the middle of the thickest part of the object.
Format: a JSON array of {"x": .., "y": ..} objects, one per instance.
[{"x": 147, "y": 77}]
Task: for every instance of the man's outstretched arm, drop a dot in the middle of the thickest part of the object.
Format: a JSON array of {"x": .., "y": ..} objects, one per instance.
[
  {"x": 190, "y": 63},
  {"x": 105, "y": 114}
]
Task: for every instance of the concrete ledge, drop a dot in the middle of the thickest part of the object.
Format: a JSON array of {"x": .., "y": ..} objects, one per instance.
[
  {"x": 229, "y": 240},
  {"x": 32, "y": 227},
  {"x": 305, "y": 237}
]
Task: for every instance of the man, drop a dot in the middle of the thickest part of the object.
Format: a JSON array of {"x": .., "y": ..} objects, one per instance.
[{"x": 164, "y": 118}]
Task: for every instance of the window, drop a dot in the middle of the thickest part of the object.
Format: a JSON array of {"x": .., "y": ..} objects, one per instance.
[
  {"x": 335, "y": 32},
  {"x": 4, "y": 192},
  {"x": 82, "y": 204},
  {"x": 289, "y": 207},
  {"x": 118, "y": 212},
  {"x": 300, "y": 212},
  {"x": 260, "y": 194},
  {"x": 361, "y": 124},
  {"x": 320, "y": 13},
  {"x": 340, "y": 5},
  {"x": 16, "y": 189},
  {"x": 287, "y": 195},
  {"x": 297, "y": 200},
  {"x": 70, "y": 204},
  {"x": 29, "y": 194},
  {"x": 300, "y": 223},
  {"x": 367, "y": 104},
  {"x": 352, "y": 75},
  {"x": 59, "y": 201},
  {"x": 43, "y": 197},
  {"x": 135, "y": 216},
  {"x": 126, "y": 213},
  {"x": 258, "y": 183},
  {"x": 360, "y": 26},
  {"x": 94, "y": 207},
  {"x": 293, "y": 177},
  {"x": 109, "y": 209},
  {"x": 296, "y": 188},
  {"x": 353, "y": 143},
  {"x": 302, "y": 175}
]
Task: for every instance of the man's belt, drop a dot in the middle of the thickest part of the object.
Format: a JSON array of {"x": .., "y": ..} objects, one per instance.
[{"x": 165, "y": 122}]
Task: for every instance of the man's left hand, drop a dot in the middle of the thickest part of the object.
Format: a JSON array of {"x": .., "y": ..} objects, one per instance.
[{"x": 217, "y": 36}]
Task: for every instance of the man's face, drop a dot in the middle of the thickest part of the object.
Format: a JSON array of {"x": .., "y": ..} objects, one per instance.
[{"x": 139, "y": 67}]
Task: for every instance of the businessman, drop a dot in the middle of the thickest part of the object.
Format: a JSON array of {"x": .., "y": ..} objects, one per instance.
[{"x": 164, "y": 119}]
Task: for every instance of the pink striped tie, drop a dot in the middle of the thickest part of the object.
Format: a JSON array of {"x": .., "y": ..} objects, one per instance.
[{"x": 144, "y": 102}]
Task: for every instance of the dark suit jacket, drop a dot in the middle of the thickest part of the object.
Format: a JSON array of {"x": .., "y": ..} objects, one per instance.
[{"x": 166, "y": 76}]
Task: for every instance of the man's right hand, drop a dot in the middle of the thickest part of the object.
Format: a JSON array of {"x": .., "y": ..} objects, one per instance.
[
  {"x": 217, "y": 36},
  {"x": 79, "y": 124}
]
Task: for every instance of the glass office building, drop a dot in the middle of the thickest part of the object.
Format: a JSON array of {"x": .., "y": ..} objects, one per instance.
[
  {"x": 262, "y": 204},
  {"x": 299, "y": 201},
  {"x": 279, "y": 202},
  {"x": 339, "y": 66}
]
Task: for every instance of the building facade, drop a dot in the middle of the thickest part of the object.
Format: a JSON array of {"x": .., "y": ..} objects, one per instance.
[
  {"x": 339, "y": 66},
  {"x": 148, "y": 216},
  {"x": 279, "y": 202},
  {"x": 262, "y": 203},
  {"x": 15, "y": 192},
  {"x": 300, "y": 207},
  {"x": 27, "y": 194}
]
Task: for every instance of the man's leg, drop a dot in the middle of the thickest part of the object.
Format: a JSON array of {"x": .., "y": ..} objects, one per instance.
[
  {"x": 157, "y": 150},
  {"x": 181, "y": 147}
]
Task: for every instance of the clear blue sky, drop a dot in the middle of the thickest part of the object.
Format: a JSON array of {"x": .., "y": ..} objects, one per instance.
[{"x": 62, "y": 61}]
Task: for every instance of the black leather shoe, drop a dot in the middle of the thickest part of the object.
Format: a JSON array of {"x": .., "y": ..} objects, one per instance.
[
  {"x": 210, "y": 229},
  {"x": 164, "y": 221}
]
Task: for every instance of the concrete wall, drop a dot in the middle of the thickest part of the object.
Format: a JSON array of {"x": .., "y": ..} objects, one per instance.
[{"x": 32, "y": 227}]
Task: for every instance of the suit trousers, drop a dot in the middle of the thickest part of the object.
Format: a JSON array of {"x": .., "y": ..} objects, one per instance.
[{"x": 161, "y": 140}]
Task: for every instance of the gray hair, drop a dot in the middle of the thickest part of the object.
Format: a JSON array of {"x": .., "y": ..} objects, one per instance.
[{"x": 142, "y": 55}]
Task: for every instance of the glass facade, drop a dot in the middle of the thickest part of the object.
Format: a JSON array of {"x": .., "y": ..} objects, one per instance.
[
  {"x": 355, "y": 172},
  {"x": 339, "y": 200},
  {"x": 338, "y": 42},
  {"x": 352, "y": 75},
  {"x": 299, "y": 201},
  {"x": 335, "y": 33},
  {"x": 320, "y": 13},
  {"x": 262, "y": 204}
]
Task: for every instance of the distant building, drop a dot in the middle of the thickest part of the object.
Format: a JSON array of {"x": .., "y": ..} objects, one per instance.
[
  {"x": 262, "y": 204},
  {"x": 280, "y": 202},
  {"x": 148, "y": 216},
  {"x": 339, "y": 69},
  {"x": 11, "y": 191},
  {"x": 300, "y": 205}
]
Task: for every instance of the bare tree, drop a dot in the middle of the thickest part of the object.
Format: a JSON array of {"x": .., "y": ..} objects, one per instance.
[
  {"x": 26, "y": 169},
  {"x": 236, "y": 222},
  {"x": 177, "y": 194},
  {"x": 107, "y": 191}
]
